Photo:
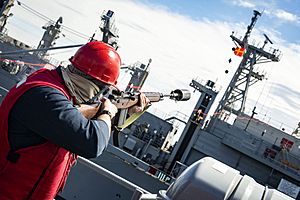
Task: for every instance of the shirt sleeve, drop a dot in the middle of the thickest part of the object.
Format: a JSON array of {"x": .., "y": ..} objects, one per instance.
[{"x": 46, "y": 112}]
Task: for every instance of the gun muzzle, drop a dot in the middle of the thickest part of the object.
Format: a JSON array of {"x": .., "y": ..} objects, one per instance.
[{"x": 180, "y": 95}]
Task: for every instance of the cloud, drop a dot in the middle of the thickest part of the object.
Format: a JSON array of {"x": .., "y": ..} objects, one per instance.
[
  {"x": 243, "y": 3},
  {"x": 282, "y": 16},
  {"x": 271, "y": 9},
  {"x": 290, "y": 97},
  {"x": 286, "y": 16}
]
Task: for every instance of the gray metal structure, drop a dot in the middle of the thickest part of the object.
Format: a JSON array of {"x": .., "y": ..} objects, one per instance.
[
  {"x": 245, "y": 75},
  {"x": 51, "y": 34},
  {"x": 109, "y": 29},
  {"x": 139, "y": 74},
  {"x": 196, "y": 120}
]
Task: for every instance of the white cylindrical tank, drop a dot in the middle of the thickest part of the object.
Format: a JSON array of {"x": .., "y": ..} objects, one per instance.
[
  {"x": 210, "y": 179},
  {"x": 206, "y": 179}
]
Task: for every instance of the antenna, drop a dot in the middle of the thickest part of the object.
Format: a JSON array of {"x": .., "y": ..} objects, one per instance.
[
  {"x": 266, "y": 41},
  {"x": 267, "y": 38},
  {"x": 256, "y": 14}
]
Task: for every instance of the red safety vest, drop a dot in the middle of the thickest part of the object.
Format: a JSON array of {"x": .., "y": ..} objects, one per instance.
[{"x": 36, "y": 172}]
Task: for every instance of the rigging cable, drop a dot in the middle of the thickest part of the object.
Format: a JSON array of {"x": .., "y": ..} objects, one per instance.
[
  {"x": 268, "y": 97},
  {"x": 271, "y": 86},
  {"x": 66, "y": 51},
  {"x": 261, "y": 92},
  {"x": 24, "y": 6},
  {"x": 47, "y": 19}
]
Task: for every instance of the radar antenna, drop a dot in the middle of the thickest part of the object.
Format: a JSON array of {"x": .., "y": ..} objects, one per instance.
[
  {"x": 267, "y": 38},
  {"x": 266, "y": 41}
]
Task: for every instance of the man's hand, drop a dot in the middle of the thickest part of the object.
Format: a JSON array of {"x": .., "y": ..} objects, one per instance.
[
  {"x": 140, "y": 106},
  {"x": 107, "y": 105},
  {"x": 88, "y": 111},
  {"x": 111, "y": 108}
]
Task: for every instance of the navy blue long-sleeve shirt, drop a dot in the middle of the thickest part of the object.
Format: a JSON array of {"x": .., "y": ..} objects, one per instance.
[{"x": 44, "y": 113}]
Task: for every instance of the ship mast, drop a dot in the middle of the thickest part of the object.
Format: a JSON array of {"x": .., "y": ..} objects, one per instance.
[
  {"x": 50, "y": 35},
  {"x": 5, "y": 6},
  {"x": 245, "y": 76}
]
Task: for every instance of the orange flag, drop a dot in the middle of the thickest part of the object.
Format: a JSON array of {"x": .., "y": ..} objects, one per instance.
[{"x": 239, "y": 51}]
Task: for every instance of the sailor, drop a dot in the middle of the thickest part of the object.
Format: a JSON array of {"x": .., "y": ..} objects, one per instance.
[{"x": 45, "y": 123}]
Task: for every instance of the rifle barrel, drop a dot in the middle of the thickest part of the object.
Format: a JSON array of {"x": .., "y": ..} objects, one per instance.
[{"x": 177, "y": 95}]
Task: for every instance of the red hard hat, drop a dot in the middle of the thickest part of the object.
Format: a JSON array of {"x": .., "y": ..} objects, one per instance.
[{"x": 99, "y": 60}]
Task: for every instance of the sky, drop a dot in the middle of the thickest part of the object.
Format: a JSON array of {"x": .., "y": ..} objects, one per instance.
[{"x": 186, "y": 40}]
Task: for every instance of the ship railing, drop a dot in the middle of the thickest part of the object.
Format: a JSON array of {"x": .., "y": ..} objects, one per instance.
[{"x": 267, "y": 120}]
